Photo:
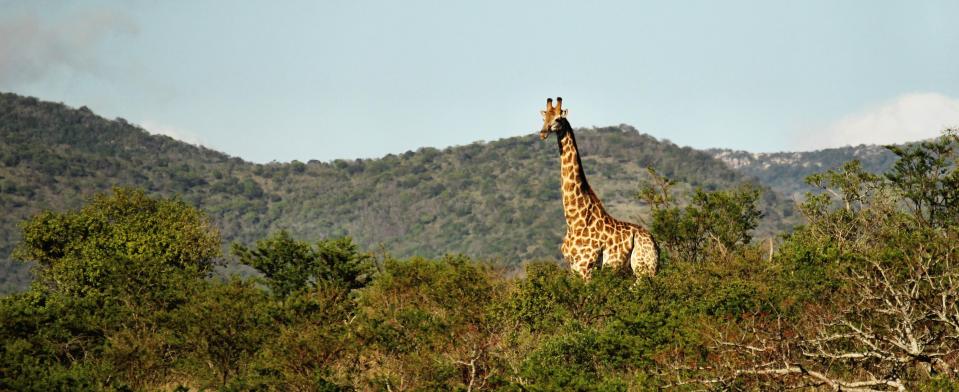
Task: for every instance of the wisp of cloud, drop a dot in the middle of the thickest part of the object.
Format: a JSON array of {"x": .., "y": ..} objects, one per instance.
[{"x": 33, "y": 47}]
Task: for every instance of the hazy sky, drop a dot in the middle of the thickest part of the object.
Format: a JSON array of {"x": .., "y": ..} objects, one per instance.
[{"x": 344, "y": 79}]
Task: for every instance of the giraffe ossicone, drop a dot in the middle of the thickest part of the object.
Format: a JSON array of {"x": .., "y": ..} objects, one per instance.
[{"x": 593, "y": 237}]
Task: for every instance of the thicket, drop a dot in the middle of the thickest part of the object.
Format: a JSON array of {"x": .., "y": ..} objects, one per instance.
[{"x": 865, "y": 295}]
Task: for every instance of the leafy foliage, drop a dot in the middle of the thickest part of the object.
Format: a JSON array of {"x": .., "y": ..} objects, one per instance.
[
  {"x": 225, "y": 326},
  {"x": 124, "y": 242},
  {"x": 724, "y": 219},
  {"x": 289, "y": 265},
  {"x": 111, "y": 276},
  {"x": 925, "y": 175},
  {"x": 496, "y": 201},
  {"x": 889, "y": 243},
  {"x": 863, "y": 295}
]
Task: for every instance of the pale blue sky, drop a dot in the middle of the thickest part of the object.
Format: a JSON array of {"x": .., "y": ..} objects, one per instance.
[{"x": 268, "y": 80}]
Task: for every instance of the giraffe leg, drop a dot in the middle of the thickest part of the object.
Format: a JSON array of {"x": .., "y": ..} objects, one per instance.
[
  {"x": 617, "y": 253},
  {"x": 615, "y": 258},
  {"x": 644, "y": 259},
  {"x": 567, "y": 247},
  {"x": 585, "y": 261}
]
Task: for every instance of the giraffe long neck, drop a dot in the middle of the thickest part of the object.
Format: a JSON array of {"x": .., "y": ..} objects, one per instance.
[{"x": 580, "y": 204}]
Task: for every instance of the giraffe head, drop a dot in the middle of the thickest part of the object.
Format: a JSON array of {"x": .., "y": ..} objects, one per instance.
[{"x": 554, "y": 118}]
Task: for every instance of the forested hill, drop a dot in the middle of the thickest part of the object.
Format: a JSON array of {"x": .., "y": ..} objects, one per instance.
[
  {"x": 497, "y": 200},
  {"x": 786, "y": 171}
]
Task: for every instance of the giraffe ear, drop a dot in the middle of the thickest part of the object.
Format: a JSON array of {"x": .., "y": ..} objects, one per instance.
[
  {"x": 543, "y": 113},
  {"x": 565, "y": 111}
]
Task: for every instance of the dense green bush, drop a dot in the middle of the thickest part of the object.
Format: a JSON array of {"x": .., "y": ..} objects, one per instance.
[
  {"x": 289, "y": 265},
  {"x": 713, "y": 221},
  {"x": 862, "y": 295},
  {"x": 124, "y": 244},
  {"x": 110, "y": 278},
  {"x": 881, "y": 253}
]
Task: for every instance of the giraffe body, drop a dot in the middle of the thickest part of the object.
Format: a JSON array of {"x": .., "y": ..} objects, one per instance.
[{"x": 593, "y": 237}]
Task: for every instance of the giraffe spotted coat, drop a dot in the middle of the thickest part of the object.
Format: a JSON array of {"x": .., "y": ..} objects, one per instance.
[{"x": 593, "y": 237}]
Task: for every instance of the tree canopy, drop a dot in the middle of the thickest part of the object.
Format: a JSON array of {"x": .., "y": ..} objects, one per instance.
[{"x": 864, "y": 295}]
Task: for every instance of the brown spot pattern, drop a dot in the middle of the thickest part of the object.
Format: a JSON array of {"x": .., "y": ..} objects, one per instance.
[{"x": 593, "y": 237}]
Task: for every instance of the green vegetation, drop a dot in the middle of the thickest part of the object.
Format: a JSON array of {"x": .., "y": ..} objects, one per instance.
[
  {"x": 495, "y": 201},
  {"x": 863, "y": 295},
  {"x": 121, "y": 242},
  {"x": 289, "y": 265},
  {"x": 726, "y": 217},
  {"x": 785, "y": 171}
]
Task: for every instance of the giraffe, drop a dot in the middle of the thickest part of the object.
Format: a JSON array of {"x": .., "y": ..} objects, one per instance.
[{"x": 592, "y": 235}]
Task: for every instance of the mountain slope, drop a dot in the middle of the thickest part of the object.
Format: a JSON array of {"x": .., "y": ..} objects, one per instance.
[
  {"x": 497, "y": 200},
  {"x": 786, "y": 171}
]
